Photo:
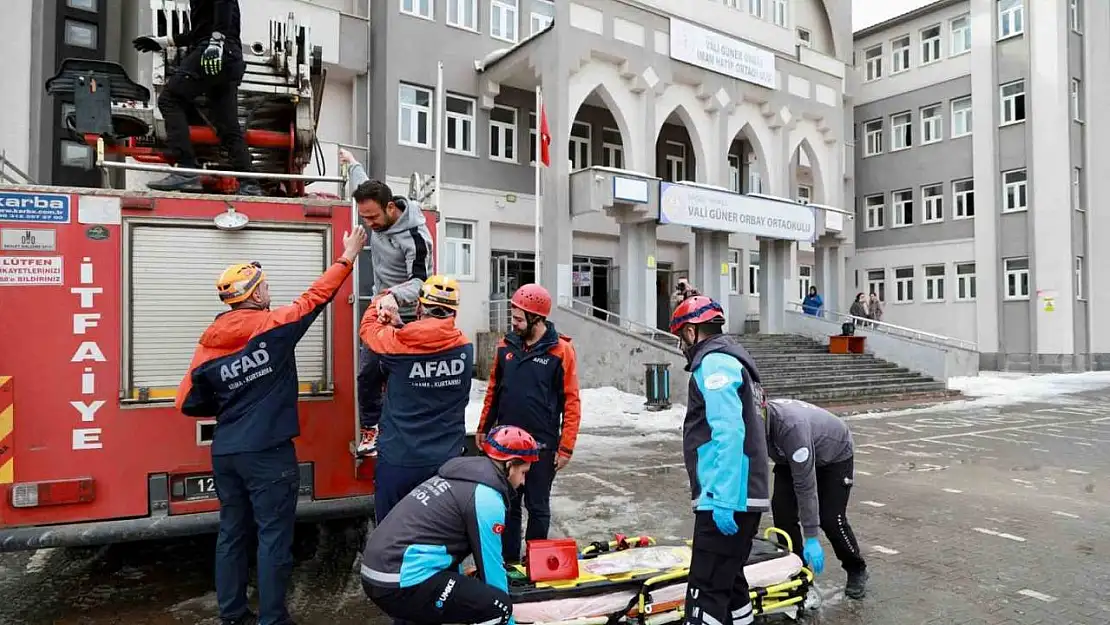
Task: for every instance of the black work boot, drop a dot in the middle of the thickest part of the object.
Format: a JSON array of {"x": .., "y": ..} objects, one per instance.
[
  {"x": 250, "y": 618},
  {"x": 177, "y": 182},
  {"x": 250, "y": 187},
  {"x": 856, "y": 587}
]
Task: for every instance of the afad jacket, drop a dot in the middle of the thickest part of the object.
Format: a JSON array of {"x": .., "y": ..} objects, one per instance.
[{"x": 244, "y": 371}]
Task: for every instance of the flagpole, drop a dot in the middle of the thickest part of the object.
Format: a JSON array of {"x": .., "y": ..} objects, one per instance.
[
  {"x": 539, "y": 151},
  {"x": 440, "y": 139}
]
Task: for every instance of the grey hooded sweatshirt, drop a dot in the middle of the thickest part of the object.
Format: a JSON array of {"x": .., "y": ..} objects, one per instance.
[
  {"x": 402, "y": 255},
  {"x": 459, "y": 512},
  {"x": 806, "y": 437}
]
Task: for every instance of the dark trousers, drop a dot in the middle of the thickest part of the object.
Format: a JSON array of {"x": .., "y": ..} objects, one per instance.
[
  {"x": 446, "y": 597},
  {"x": 256, "y": 489},
  {"x": 371, "y": 388},
  {"x": 536, "y": 496},
  {"x": 716, "y": 591},
  {"x": 178, "y": 99},
  {"x": 834, "y": 485},
  {"x": 392, "y": 483}
]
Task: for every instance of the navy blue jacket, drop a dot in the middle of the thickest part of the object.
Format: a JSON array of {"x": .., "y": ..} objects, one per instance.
[
  {"x": 428, "y": 367},
  {"x": 244, "y": 372},
  {"x": 723, "y": 441},
  {"x": 535, "y": 388}
]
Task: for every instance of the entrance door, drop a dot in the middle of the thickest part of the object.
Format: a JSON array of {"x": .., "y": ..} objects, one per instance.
[{"x": 663, "y": 287}]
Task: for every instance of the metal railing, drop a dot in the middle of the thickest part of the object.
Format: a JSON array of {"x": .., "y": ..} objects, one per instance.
[
  {"x": 889, "y": 328},
  {"x": 499, "y": 320},
  {"x": 6, "y": 178}
]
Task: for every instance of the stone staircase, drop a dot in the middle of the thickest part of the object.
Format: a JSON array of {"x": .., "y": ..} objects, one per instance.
[{"x": 797, "y": 367}]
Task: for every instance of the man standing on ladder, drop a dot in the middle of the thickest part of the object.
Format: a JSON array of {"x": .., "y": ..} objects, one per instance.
[
  {"x": 534, "y": 386},
  {"x": 213, "y": 67},
  {"x": 402, "y": 258}
]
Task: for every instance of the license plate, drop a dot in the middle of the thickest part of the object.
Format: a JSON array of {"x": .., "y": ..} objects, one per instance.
[{"x": 200, "y": 487}]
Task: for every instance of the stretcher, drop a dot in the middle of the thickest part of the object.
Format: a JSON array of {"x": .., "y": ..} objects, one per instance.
[{"x": 641, "y": 582}]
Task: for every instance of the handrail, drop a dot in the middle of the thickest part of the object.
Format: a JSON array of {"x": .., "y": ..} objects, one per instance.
[
  {"x": 5, "y": 163},
  {"x": 890, "y": 328},
  {"x": 499, "y": 320}
]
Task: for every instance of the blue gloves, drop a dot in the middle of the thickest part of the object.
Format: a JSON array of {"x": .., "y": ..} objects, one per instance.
[
  {"x": 725, "y": 520},
  {"x": 814, "y": 555}
]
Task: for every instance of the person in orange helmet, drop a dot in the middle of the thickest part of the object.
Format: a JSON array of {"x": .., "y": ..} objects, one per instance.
[{"x": 534, "y": 385}]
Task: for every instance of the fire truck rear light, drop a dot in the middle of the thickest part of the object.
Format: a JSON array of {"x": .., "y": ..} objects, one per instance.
[
  {"x": 53, "y": 493},
  {"x": 315, "y": 210},
  {"x": 132, "y": 202}
]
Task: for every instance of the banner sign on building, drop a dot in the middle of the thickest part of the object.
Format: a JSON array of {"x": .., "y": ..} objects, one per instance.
[
  {"x": 708, "y": 209},
  {"x": 722, "y": 54}
]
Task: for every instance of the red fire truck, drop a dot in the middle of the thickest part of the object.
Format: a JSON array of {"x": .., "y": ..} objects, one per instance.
[{"x": 104, "y": 293}]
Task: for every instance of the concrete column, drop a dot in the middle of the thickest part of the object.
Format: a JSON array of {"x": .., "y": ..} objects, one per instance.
[
  {"x": 710, "y": 262},
  {"x": 637, "y": 276},
  {"x": 778, "y": 271},
  {"x": 556, "y": 224},
  {"x": 649, "y": 155},
  {"x": 984, "y": 99},
  {"x": 745, "y": 287},
  {"x": 821, "y": 273},
  {"x": 721, "y": 156},
  {"x": 834, "y": 291}
]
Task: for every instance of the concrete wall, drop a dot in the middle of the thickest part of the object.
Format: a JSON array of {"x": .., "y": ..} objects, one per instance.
[
  {"x": 610, "y": 356},
  {"x": 936, "y": 361}
]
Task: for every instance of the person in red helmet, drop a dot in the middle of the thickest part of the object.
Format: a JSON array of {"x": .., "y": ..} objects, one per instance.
[
  {"x": 410, "y": 567},
  {"x": 534, "y": 385},
  {"x": 724, "y": 449}
]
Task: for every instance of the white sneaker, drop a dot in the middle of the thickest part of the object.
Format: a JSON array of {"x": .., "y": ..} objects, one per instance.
[{"x": 368, "y": 444}]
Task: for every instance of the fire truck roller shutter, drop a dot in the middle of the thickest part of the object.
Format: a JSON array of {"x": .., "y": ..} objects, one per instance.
[{"x": 173, "y": 271}]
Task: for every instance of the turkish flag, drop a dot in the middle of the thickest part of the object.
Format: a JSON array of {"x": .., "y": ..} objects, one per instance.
[{"x": 545, "y": 138}]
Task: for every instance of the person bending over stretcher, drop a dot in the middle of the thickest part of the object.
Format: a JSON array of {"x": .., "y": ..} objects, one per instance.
[
  {"x": 726, "y": 458},
  {"x": 814, "y": 471},
  {"x": 411, "y": 563}
]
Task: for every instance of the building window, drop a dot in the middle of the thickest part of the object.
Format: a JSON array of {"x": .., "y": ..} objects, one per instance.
[
  {"x": 874, "y": 208},
  {"x": 755, "y": 7},
  {"x": 418, "y": 8},
  {"x": 459, "y": 135},
  {"x": 903, "y": 285},
  {"x": 1074, "y": 17},
  {"x": 778, "y": 12},
  {"x": 734, "y": 272},
  {"x": 734, "y": 173},
  {"x": 963, "y": 197},
  {"x": 612, "y": 148},
  {"x": 804, "y": 194},
  {"x": 930, "y": 45},
  {"x": 931, "y": 124},
  {"x": 503, "y": 20},
  {"x": 580, "y": 135},
  {"x": 961, "y": 35},
  {"x": 1014, "y": 195},
  {"x": 543, "y": 14},
  {"x": 415, "y": 113},
  {"x": 934, "y": 283},
  {"x": 755, "y": 181},
  {"x": 1011, "y": 18},
  {"x": 463, "y": 14},
  {"x": 80, "y": 34},
  {"x": 873, "y": 62},
  {"x": 733, "y": 4},
  {"x": 1013, "y": 102},
  {"x": 932, "y": 197},
  {"x": 901, "y": 130},
  {"x": 805, "y": 280},
  {"x": 502, "y": 134},
  {"x": 82, "y": 5},
  {"x": 965, "y": 282},
  {"x": 458, "y": 257},
  {"x": 1017, "y": 278},
  {"x": 676, "y": 161},
  {"x": 1076, "y": 99},
  {"x": 1078, "y": 277},
  {"x": 961, "y": 117},
  {"x": 1077, "y": 188},
  {"x": 876, "y": 283},
  {"x": 76, "y": 155},
  {"x": 753, "y": 274},
  {"x": 903, "y": 208},
  {"x": 873, "y": 137},
  {"x": 532, "y": 144},
  {"x": 900, "y": 59}
]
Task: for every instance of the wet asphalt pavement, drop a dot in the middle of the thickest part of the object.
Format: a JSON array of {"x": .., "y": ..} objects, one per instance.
[{"x": 967, "y": 514}]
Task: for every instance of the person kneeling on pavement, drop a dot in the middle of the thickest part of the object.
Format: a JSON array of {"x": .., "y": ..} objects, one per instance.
[
  {"x": 814, "y": 468},
  {"x": 412, "y": 559},
  {"x": 725, "y": 454},
  {"x": 427, "y": 369}
]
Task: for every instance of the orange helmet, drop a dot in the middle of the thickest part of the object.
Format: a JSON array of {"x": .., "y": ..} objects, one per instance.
[
  {"x": 508, "y": 442},
  {"x": 238, "y": 281},
  {"x": 533, "y": 298}
]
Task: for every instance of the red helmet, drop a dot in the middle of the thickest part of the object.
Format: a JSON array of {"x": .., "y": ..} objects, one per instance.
[
  {"x": 696, "y": 309},
  {"x": 533, "y": 298},
  {"x": 508, "y": 442}
]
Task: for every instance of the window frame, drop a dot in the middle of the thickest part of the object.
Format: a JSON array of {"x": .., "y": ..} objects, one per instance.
[
  {"x": 936, "y": 43},
  {"x": 608, "y": 148},
  {"x": 805, "y": 280},
  {"x": 1006, "y": 17},
  {"x": 575, "y": 145},
  {"x": 934, "y": 284},
  {"x": 545, "y": 18},
  {"x": 870, "y": 210},
  {"x": 468, "y": 121},
  {"x": 1011, "y": 101},
  {"x": 416, "y": 111},
  {"x": 1075, "y": 17},
  {"x": 935, "y": 123},
  {"x": 873, "y": 63},
  {"x": 449, "y": 243},
  {"x": 757, "y": 9},
  {"x": 904, "y": 129},
  {"x": 753, "y": 274},
  {"x": 869, "y": 133},
  {"x": 961, "y": 34},
  {"x": 961, "y": 114},
  {"x": 937, "y": 204},
  {"x": 415, "y": 11},
  {"x": 871, "y": 282},
  {"x": 474, "y": 11},
  {"x": 1077, "y": 99},
  {"x": 1016, "y": 275},
  {"x": 1077, "y": 188},
  {"x": 959, "y": 199},
  {"x": 903, "y": 295},
  {"x": 735, "y": 284},
  {"x": 1079, "y": 295},
  {"x": 502, "y": 128},
  {"x": 966, "y": 283},
  {"x": 495, "y": 28},
  {"x": 674, "y": 161},
  {"x": 904, "y": 51},
  {"x": 1020, "y": 190},
  {"x": 779, "y": 13},
  {"x": 900, "y": 208}
]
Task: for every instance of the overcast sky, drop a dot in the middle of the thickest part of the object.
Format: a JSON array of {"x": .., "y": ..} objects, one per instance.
[{"x": 868, "y": 12}]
